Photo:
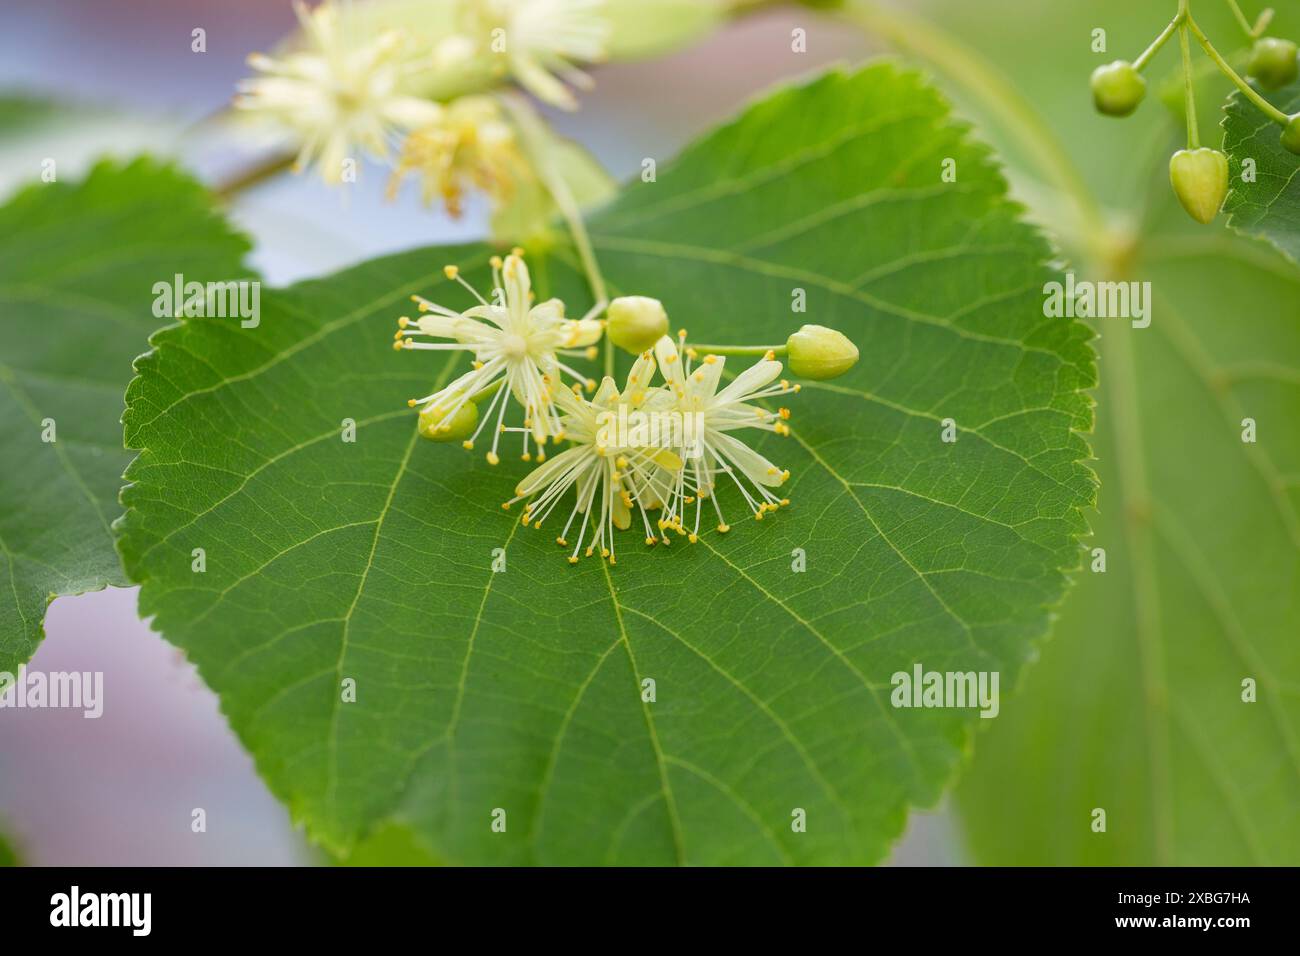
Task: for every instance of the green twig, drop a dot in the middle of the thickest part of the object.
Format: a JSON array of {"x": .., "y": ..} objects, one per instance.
[
  {"x": 1156, "y": 44},
  {"x": 1269, "y": 109},
  {"x": 738, "y": 350},
  {"x": 254, "y": 175},
  {"x": 1241, "y": 18},
  {"x": 1189, "y": 83}
]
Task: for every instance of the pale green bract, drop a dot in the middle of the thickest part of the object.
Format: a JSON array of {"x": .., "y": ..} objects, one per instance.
[
  {"x": 76, "y": 273},
  {"x": 524, "y": 691}
]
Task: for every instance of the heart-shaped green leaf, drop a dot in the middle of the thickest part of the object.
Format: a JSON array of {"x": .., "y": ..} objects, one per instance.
[
  {"x": 77, "y": 266},
  {"x": 519, "y": 695}
]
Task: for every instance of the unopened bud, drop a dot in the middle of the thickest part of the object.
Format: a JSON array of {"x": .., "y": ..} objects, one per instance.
[
  {"x": 1200, "y": 180},
  {"x": 1117, "y": 88},
  {"x": 459, "y": 426},
  {"x": 1273, "y": 62},
  {"x": 1291, "y": 134},
  {"x": 636, "y": 323},
  {"x": 817, "y": 352}
]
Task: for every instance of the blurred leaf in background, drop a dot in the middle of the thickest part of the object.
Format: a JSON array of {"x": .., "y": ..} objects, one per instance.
[
  {"x": 7, "y": 855},
  {"x": 1136, "y": 706},
  {"x": 77, "y": 268}
]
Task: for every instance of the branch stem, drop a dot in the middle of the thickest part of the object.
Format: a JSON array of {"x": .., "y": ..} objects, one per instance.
[{"x": 1271, "y": 111}]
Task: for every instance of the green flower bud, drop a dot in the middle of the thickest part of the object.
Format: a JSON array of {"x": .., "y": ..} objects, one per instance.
[
  {"x": 1200, "y": 180},
  {"x": 1291, "y": 134},
  {"x": 1273, "y": 62},
  {"x": 460, "y": 427},
  {"x": 818, "y": 353},
  {"x": 1117, "y": 88},
  {"x": 636, "y": 322}
]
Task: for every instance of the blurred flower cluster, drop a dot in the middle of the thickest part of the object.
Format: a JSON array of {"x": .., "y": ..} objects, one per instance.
[{"x": 427, "y": 88}]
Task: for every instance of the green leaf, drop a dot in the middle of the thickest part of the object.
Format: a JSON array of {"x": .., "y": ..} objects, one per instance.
[
  {"x": 1270, "y": 205},
  {"x": 1136, "y": 706},
  {"x": 77, "y": 267},
  {"x": 521, "y": 690},
  {"x": 8, "y": 856}
]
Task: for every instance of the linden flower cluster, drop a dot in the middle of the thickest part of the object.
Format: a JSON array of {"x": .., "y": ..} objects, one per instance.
[
  {"x": 343, "y": 90},
  {"x": 518, "y": 350}
]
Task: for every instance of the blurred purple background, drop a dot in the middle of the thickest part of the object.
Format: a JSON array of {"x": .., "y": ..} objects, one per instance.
[{"x": 120, "y": 790}]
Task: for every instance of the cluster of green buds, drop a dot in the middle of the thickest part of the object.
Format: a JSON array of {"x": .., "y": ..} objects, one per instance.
[{"x": 1199, "y": 175}]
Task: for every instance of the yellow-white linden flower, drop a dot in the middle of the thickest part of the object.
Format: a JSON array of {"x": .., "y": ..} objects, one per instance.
[
  {"x": 470, "y": 146},
  {"x": 540, "y": 41},
  {"x": 718, "y": 455},
  {"x": 516, "y": 347},
  {"x": 338, "y": 92},
  {"x": 609, "y": 480}
]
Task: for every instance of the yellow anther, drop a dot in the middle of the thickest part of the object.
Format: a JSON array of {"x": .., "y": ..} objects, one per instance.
[
  {"x": 561, "y": 542},
  {"x": 573, "y": 559},
  {"x": 451, "y": 271},
  {"x": 784, "y": 413},
  {"x": 710, "y": 360},
  {"x": 397, "y": 346},
  {"x": 769, "y": 355},
  {"x": 693, "y": 537},
  {"x": 467, "y": 444},
  {"x": 403, "y": 322},
  {"x": 411, "y": 403},
  {"x": 505, "y": 506},
  {"x": 724, "y": 528},
  {"x": 525, "y": 457},
  {"x": 517, "y": 251},
  {"x": 492, "y": 458}
]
